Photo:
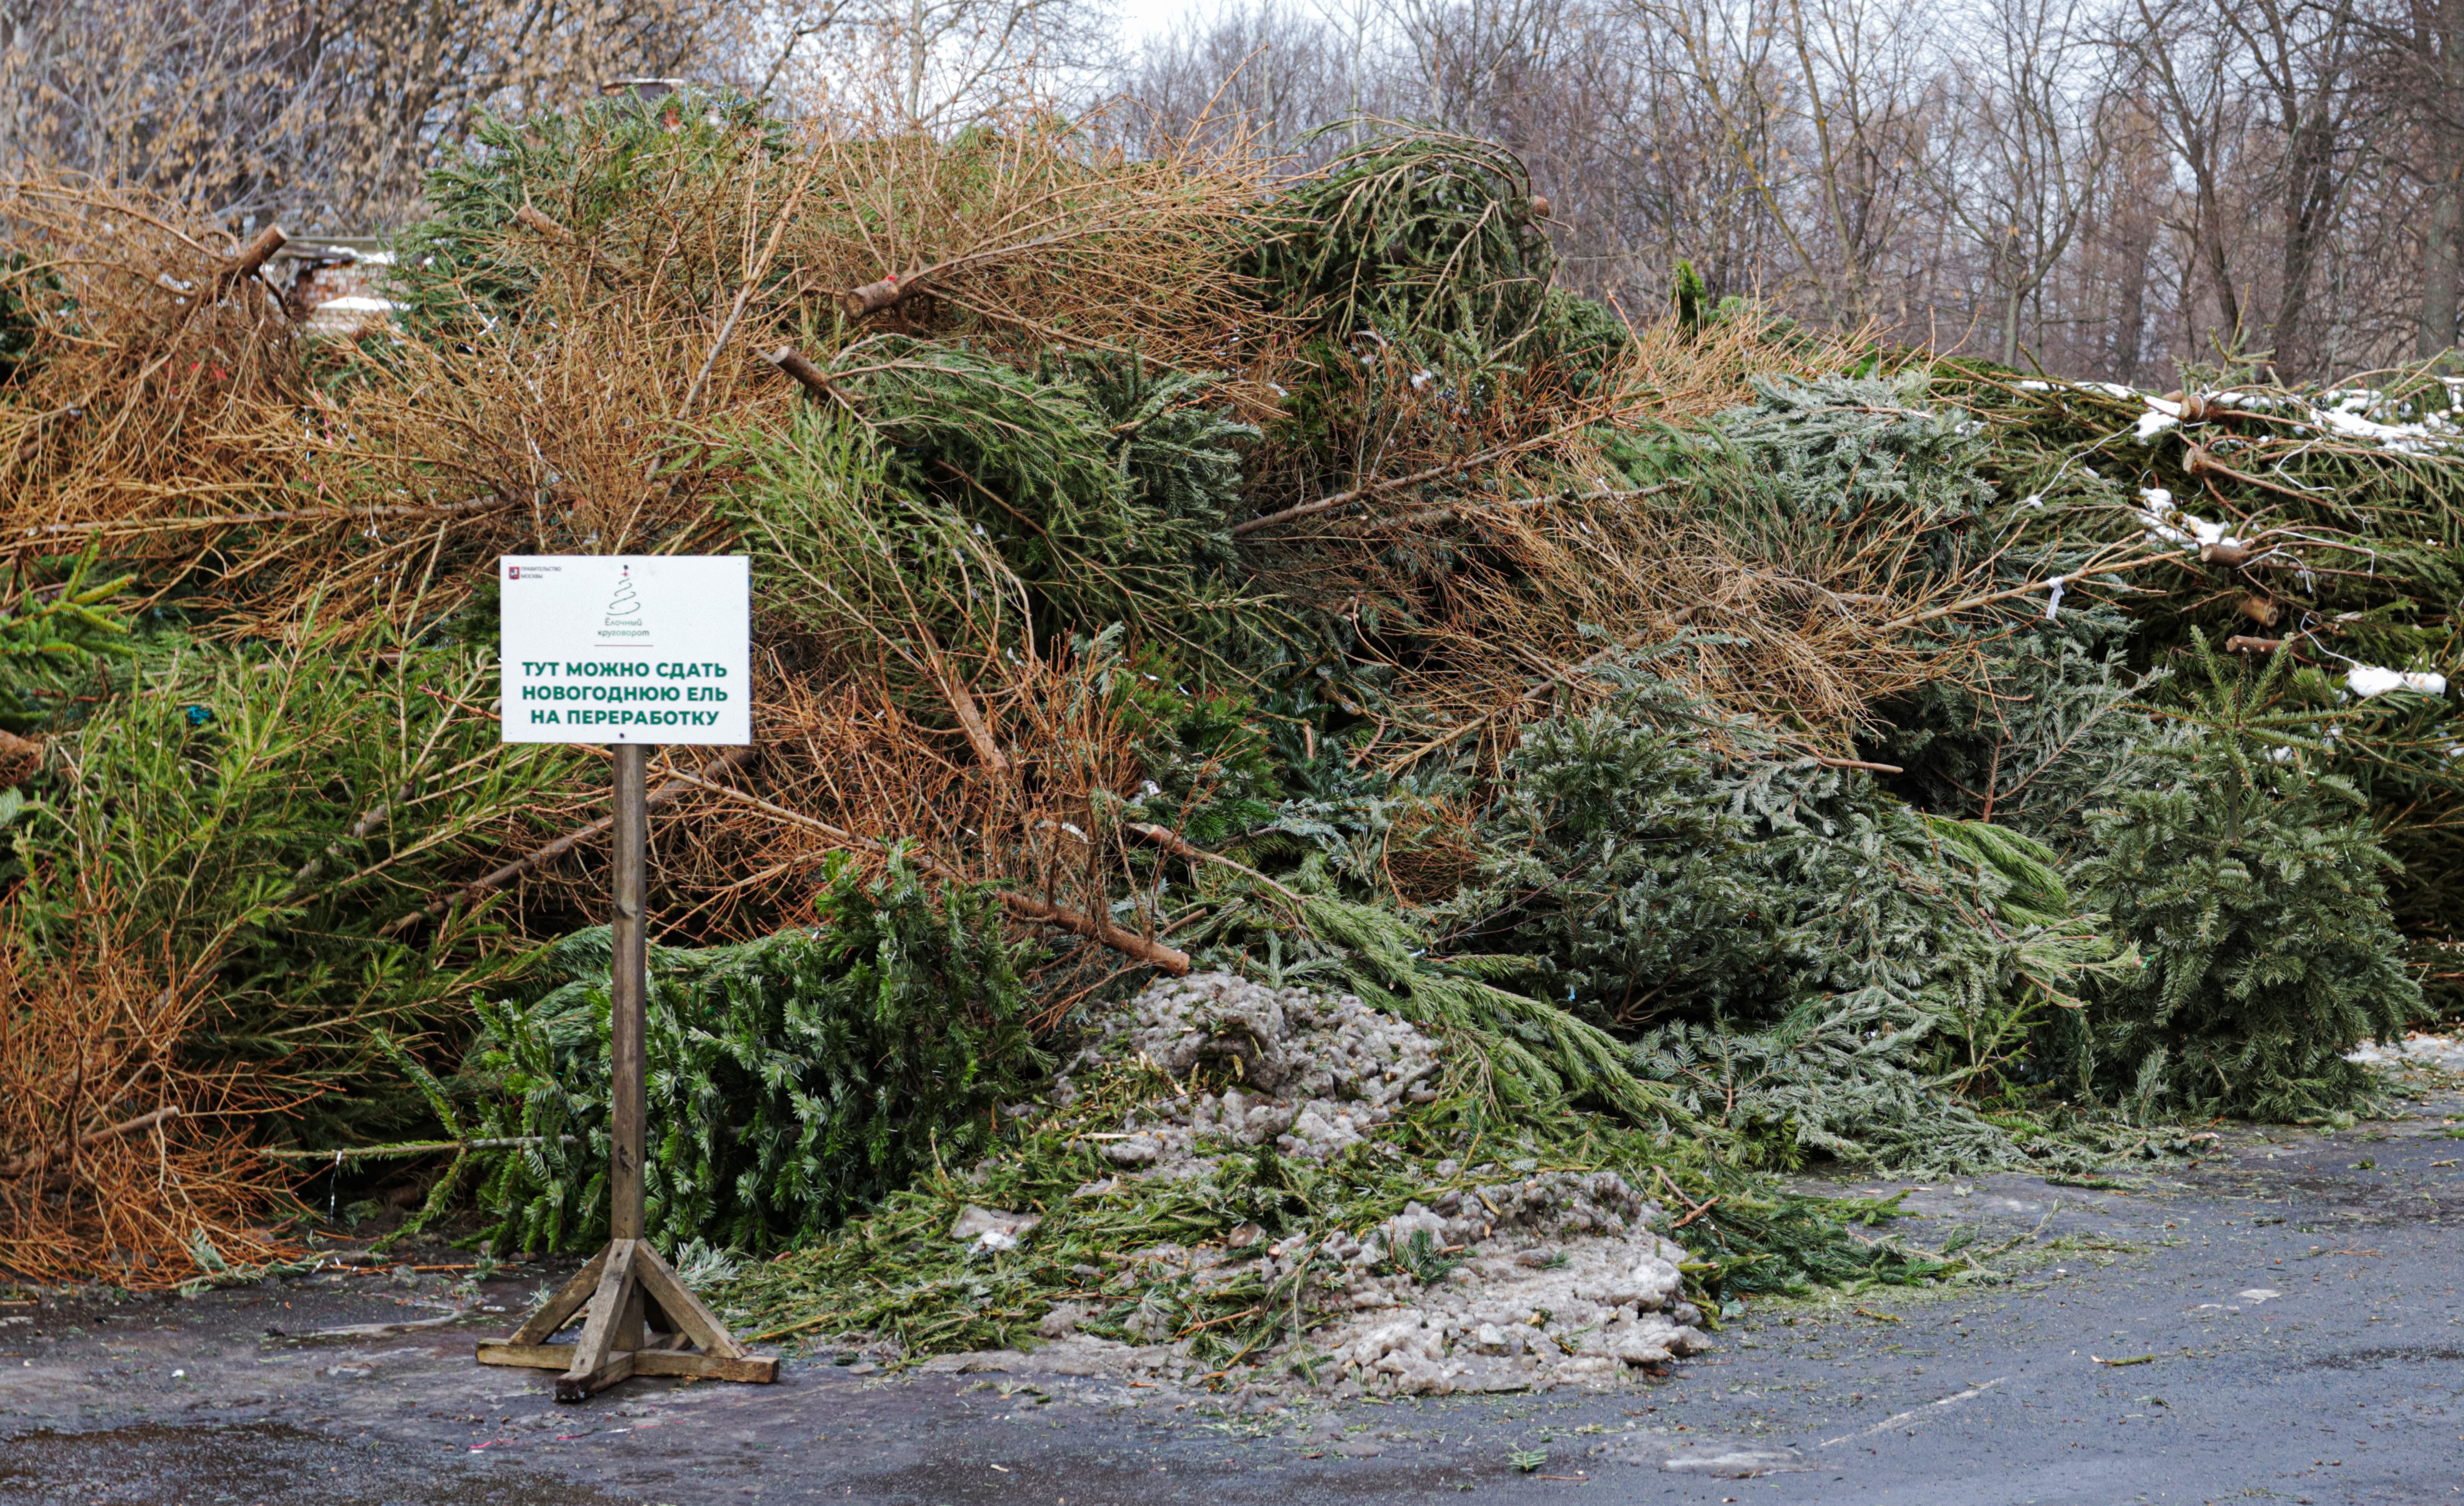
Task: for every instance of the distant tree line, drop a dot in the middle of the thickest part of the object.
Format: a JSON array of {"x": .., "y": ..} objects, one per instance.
[
  {"x": 2114, "y": 188},
  {"x": 2111, "y": 189}
]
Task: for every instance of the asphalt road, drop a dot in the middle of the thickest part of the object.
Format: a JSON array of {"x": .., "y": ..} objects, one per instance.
[{"x": 2344, "y": 1383}]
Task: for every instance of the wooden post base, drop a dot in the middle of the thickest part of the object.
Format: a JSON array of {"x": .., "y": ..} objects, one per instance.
[{"x": 627, "y": 1290}]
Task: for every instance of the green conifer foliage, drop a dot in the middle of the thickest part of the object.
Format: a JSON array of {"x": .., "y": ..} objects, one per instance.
[
  {"x": 2059, "y": 732},
  {"x": 2303, "y": 476},
  {"x": 1089, "y": 492},
  {"x": 2256, "y": 887},
  {"x": 51, "y": 636},
  {"x": 25, "y": 286},
  {"x": 457, "y": 270},
  {"x": 793, "y": 1080},
  {"x": 1419, "y": 234},
  {"x": 1419, "y": 262},
  {"x": 1178, "y": 450},
  {"x": 1843, "y": 451},
  {"x": 1810, "y": 964},
  {"x": 260, "y": 815}
]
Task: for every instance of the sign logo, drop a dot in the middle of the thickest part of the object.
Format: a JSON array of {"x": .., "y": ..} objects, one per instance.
[
  {"x": 622, "y": 622},
  {"x": 626, "y": 603}
]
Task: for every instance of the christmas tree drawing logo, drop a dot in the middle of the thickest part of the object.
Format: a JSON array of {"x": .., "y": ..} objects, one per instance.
[{"x": 624, "y": 608}]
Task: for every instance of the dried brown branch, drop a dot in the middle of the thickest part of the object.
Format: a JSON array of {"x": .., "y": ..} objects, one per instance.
[
  {"x": 1096, "y": 929},
  {"x": 38, "y": 1161},
  {"x": 125, "y": 527},
  {"x": 532, "y": 862},
  {"x": 889, "y": 292},
  {"x": 2136, "y": 559},
  {"x": 1093, "y": 928},
  {"x": 119, "y": 1148},
  {"x": 792, "y": 361},
  {"x": 246, "y": 261},
  {"x": 1437, "y": 472},
  {"x": 1172, "y": 842},
  {"x": 971, "y": 717}
]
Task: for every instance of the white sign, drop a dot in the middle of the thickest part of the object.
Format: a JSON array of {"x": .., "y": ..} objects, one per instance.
[{"x": 627, "y": 648}]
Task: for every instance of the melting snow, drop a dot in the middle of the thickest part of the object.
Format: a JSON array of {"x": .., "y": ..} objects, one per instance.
[
  {"x": 2348, "y": 413},
  {"x": 2161, "y": 514},
  {"x": 2370, "y": 679}
]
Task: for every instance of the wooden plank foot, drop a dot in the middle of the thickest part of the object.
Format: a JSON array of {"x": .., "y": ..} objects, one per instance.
[{"x": 625, "y": 1284}]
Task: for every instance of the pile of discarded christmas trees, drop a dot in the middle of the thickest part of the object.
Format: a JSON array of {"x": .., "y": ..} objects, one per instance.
[{"x": 1738, "y": 745}]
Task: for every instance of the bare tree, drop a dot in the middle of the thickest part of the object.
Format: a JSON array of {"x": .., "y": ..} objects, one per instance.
[
  {"x": 1273, "y": 73},
  {"x": 2021, "y": 162},
  {"x": 2303, "y": 57},
  {"x": 2417, "y": 62},
  {"x": 1480, "y": 65},
  {"x": 954, "y": 58},
  {"x": 2119, "y": 187},
  {"x": 1826, "y": 103},
  {"x": 2123, "y": 256},
  {"x": 324, "y": 114}
]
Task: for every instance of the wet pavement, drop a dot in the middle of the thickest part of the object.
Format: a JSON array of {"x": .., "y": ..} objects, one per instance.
[{"x": 2279, "y": 1321}]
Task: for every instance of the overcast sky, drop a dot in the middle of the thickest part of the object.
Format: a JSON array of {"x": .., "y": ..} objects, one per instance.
[{"x": 1140, "y": 17}]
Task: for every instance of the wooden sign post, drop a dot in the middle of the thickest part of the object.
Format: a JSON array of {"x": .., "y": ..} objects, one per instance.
[{"x": 626, "y": 650}]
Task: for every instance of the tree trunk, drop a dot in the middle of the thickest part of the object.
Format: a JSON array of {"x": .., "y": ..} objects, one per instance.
[
  {"x": 2130, "y": 314},
  {"x": 2439, "y": 264}
]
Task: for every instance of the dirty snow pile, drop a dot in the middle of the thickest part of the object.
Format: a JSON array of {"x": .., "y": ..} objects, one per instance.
[
  {"x": 2417, "y": 1049},
  {"x": 1533, "y": 1306},
  {"x": 1312, "y": 1072},
  {"x": 1501, "y": 1278}
]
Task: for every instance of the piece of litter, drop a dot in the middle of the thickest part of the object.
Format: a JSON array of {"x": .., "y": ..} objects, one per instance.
[{"x": 991, "y": 1229}]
